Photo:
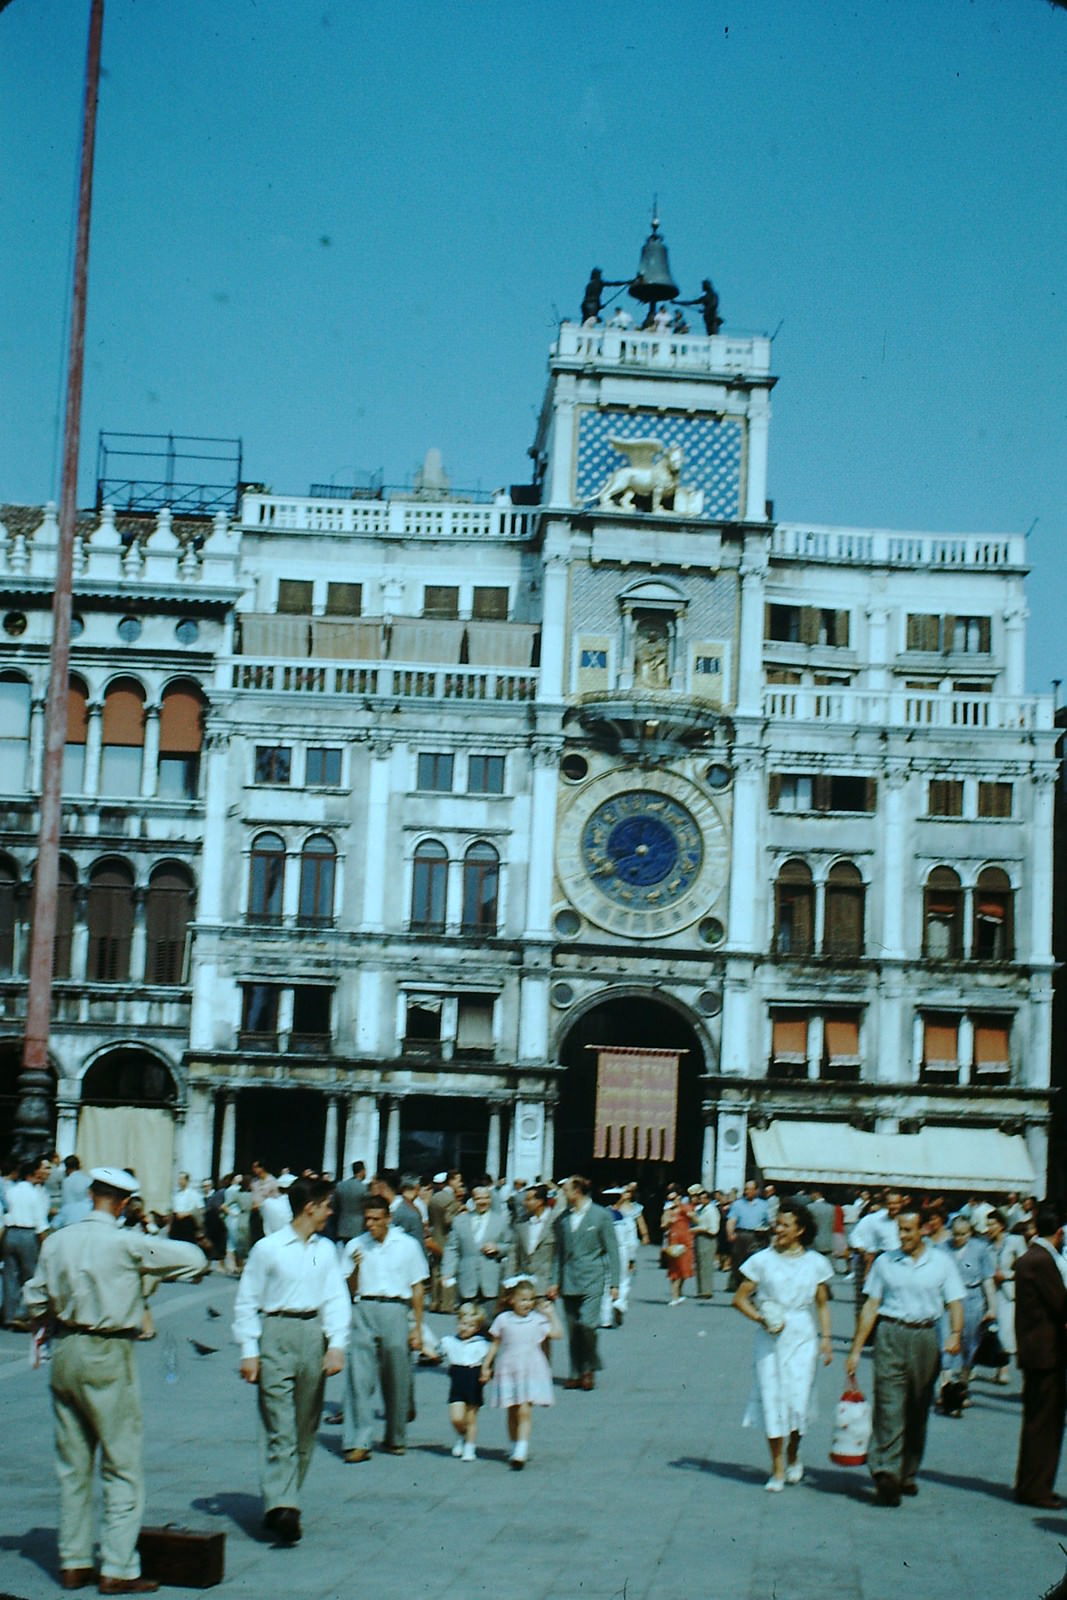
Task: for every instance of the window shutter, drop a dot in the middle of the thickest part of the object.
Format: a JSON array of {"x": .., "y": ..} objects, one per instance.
[
  {"x": 294, "y": 596},
  {"x": 77, "y": 714},
  {"x": 809, "y": 625},
  {"x": 767, "y": 634},
  {"x": 123, "y": 718},
  {"x": 179, "y": 724},
  {"x": 948, "y": 632},
  {"x": 490, "y": 604},
  {"x": 984, "y": 635},
  {"x": 841, "y": 628},
  {"x": 774, "y": 790},
  {"x": 790, "y": 1039},
  {"x": 992, "y": 1051},
  {"x": 344, "y": 599},
  {"x": 870, "y": 795},
  {"x": 842, "y": 1036},
  {"x": 940, "y": 1043},
  {"x": 820, "y": 790}
]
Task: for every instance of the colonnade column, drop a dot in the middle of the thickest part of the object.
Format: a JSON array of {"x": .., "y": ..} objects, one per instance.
[
  {"x": 330, "y": 1145},
  {"x": 750, "y": 631},
  {"x": 227, "y": 1132},
  {"x": 548, "y": 1142},
  {"x": 375, "y": 862},
  {"x": 544, "y": 757},
  {"x": 392, "y": 1130},
  {"x": 94, "y": 735},
  {"x": 35, "y": 763},
  {"x": 707, "y": 1154},
  {"x": 138, "y": 939},
  {"x": 362, "y": 1131},
  {"x": 150, "y": 754},
  {"x": 492, "y": 1151},
  {"x": 526, "y": 1158}
]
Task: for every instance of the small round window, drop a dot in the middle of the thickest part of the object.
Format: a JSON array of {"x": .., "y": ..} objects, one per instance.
[
  {"x": 574, "y": 767},
  {"x": 129, "y": 629},
  {"x": 568, "y": 924},
  {"x": 15, "y": 623},
  {"x": 77, "y": 626},
  {"x": 712, "y": 931},
  {"x": 187, "y": 631},
  {"x": 710, "y": 1002},
  {"x": 718, "y": 775},
  {"x": 562, "y": 994}
]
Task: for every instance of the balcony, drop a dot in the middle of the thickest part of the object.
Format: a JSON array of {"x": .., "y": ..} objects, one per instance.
[
  {"x": 906, "y": 708},
  {"x": 880, "y": 547},
  {"x": 376, "y": 519},
  {"x": 310, "y": 1044},
  {"x": 381, "y": 682},
  {"x": 719, "y": 355}
]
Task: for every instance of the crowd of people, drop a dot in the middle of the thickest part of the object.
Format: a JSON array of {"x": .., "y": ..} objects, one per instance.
[{"x": 336, "y": 1278}]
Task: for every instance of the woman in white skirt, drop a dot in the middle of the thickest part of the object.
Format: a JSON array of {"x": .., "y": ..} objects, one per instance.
[
  {"x": 1007, "y": 1248},
  {"x": 783, "y": 1289}
]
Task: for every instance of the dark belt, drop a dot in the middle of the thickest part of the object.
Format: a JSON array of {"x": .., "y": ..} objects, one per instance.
[
  {"x": 300, "y": 1316},
  {"x": 901, "y": 1323},
  {"x": 387, "y": 1299},
  {"x": 62, "y": 1328}
]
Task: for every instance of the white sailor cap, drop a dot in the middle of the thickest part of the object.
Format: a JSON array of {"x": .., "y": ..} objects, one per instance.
[
  {"x": 287, "y": 1180},
  {"x": 115, "y": 1178},
  {"x": 440, "y": 1177}
]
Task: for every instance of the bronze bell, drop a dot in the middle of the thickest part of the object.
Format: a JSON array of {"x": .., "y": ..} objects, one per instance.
[{"x": 653, "y": 282}]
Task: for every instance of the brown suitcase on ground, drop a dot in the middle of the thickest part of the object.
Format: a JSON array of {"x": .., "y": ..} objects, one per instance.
[{"x": 181, "y": 1557}]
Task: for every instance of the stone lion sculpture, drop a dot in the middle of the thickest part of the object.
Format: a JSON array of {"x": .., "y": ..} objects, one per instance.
[{"x": 652, "y": 473}]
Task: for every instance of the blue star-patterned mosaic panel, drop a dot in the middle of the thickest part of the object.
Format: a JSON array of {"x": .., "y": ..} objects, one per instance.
[{"x": 711, "y": 447}]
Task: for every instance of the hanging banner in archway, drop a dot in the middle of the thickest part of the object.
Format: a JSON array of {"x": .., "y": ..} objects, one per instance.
[{"x": 636, "y": 1104}]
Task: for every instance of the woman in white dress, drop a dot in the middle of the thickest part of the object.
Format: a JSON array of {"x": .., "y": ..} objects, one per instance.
[
  {"x": 783, "y": 1289},
  {"x": 1007, "y": 1248}
]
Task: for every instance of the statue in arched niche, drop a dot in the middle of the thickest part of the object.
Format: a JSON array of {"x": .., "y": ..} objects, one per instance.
[{"x": 652, "y": 653}]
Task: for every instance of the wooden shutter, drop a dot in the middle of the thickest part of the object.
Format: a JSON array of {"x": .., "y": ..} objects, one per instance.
[
  {"x": 790, "y": 1039},
  {"x": 948, "y": 632},
  {"x": 842, "y": 1040},
  {"x": 77, "y": 713},
  {"x": 809, "y": 624},
  {"x": 491, "y": 604},
  {"x": 992, "y": 1046},
  {"x": 941, "y": 1043},
  {"x": 440, "y": 600},
  {"x": 841, "y": 628},
  {"x": 123, "y": 716},
  {"x": 344, "y": 599},
  {"x": 774, "y": 790},
  {"x": 179, "y": 723},
  {"x": 870, "y": 795},
  {"x": 820, "y": 791},
  {"x": 294, "y": 595}
]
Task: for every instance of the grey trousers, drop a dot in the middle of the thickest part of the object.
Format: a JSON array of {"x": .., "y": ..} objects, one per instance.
[
  {"x": 21, "y": 1249},
  {"x": 906, "y": 1362},
  {"x": 291, "y": 1385},
  {"x": 97, "y": 1402},
  {"x": 378, "y": 1352},
  {"x": 582, "y": 1312}
]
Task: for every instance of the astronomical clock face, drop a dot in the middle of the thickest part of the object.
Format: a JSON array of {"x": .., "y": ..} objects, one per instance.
[{"x": 642, "y": 861}]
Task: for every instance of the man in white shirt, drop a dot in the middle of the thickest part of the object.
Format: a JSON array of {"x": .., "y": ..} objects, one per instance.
[
  {"x": 875, "y": 1231},
  {"x": 291, "y": 1322},
  {"x": 387, "y": 1275},
  {"x": 907, "y": 1291},
  {"x": 275, "y": 1211},
  {"x": 26, "y": 1226}
]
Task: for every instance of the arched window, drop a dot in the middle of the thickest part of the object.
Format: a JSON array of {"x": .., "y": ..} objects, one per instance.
[
  {"x": 14, "y": 732},
  {"x": 110, "y": 922},
  {"x": 843, "y": 929},
  {"x": 943, "y": 916},
  {"x": 167, "y": 909},
  {"x": 267, "y": 879},
  {"x": 429, "y": 887},
  {"x": 77, "y": 734},
  {"x": 318, "y": 864},
  {"x": 794, "y": 910},
  {"x": 9, "y": 886},
  {"x": 481, "y": 887},
  {"x": 65, "y": 892},
  {"x": 993, "y": 931},
  {"x": 123, "y": 739},
  {"x": 180, "y": 738}
]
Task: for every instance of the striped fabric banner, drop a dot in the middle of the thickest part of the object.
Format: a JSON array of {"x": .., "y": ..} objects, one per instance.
[{"x": 636, "y": 1104}]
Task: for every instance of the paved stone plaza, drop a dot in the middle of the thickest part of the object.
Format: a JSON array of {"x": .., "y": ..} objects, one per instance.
[{"x": 648, "y": 1489}]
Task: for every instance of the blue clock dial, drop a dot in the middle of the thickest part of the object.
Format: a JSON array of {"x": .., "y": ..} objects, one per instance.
[{"x": 642, "y": 849}]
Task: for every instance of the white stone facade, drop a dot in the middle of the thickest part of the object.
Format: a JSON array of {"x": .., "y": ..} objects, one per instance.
[{"x": 425, "y": 725}]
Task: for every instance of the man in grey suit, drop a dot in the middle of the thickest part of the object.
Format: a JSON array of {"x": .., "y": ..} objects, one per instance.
[
  {"x": 533, "y": 1243},
  {"x": 587, "y": 1262},
  {"x": 476, "y": 1249},
  {"x": 348, "y": 1198}
]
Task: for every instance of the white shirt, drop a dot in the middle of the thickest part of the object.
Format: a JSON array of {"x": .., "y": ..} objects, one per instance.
[
  {"x": 535, "y": 1228},
  {"x": 275, "y": 1212},
  {"x": 874, "y": 1232},
  {"x": 283, "y": 1273},
  {"x": 576, "y": 1214},
  {"x": 391, "y": 1268},
  {"x": 27, "y": 1206},
  {"x": 914, "y": 1288},
  {"x": 479, "y": 1225},
  {"x": 186, "y": 1201}
]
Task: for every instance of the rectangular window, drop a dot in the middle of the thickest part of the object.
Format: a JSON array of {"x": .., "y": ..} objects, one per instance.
[
  {"x": 474, "y": 1025},
  {"x": 789, "y": 1045},
  {"x": 273, "y": 763},
  {"x": 435, "y": 772},
  {"x": 294, "y": 596},
  {"x": 945, "y": 797},
  {"x": 422, "y": 1026},
  {"x": 120, "y": 769},
  {"x": 490, "y": 604},
  {"x": 440, "y": 600},
  {"x": 833, "y": 629},
  {"x": 924, "y": 632},
  {"x": 941, "y": 1047},
  {"x": 344, "y": 599},
  {"x": 259, "y": 1015},
  {"x": 782, "y": 623},
  {"x": 595, "y": 660},
  {"x": 782, "y": 675},
  {"x": 969, "y": 636},
  {"x": 323, "y": 767},
  {"x": 848, "y": 792},
  {"x": 485, "y": 775},
  {"x": 791, "y": 791},
  {"x": 994, "y": 799},
  {"x": 312, "y": 1004},
  {"x": 841, "y": 1061},
  {"x": 179, "y": 777},
  {"x": 709, "y": 664},
  {"x": 992, "y": 1048}
]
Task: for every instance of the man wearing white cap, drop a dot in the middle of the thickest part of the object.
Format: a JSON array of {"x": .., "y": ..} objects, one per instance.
[{"x": 90, "y": 1285}]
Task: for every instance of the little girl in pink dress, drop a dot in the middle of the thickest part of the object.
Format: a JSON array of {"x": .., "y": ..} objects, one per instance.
[{"x": 523, "y": 1375}]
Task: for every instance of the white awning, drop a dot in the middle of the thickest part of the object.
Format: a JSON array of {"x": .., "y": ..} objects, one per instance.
[{"x": 937, "y": 1158}]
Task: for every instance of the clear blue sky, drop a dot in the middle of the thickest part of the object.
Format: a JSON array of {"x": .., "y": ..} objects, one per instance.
[{"x": 344, "y": 231}]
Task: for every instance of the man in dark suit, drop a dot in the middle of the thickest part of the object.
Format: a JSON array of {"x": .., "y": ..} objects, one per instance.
[
  {"x": 587, "y": 1262},
  {"x": 533, "y": 1243},
  {"x": 1041, "y": 1337},
  {"x": 348, "y": 1198}
]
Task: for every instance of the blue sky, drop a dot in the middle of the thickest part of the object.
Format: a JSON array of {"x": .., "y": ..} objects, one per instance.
[{"x": 344, "y": 232}]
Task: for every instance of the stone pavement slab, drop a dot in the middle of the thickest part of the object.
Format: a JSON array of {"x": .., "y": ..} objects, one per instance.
[{"x": 646, "y": 1489}]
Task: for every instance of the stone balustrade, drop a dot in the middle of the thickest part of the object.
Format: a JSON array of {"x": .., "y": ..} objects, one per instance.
[
  {"x": 880, "y": 547},
  {"x": 375, "y": 519},
  {"x": 907, "y": 708},
  {"x": 672, "y": 352},
  {"x": 135, "y": 553},
  {"x": 376, "y": 680}
]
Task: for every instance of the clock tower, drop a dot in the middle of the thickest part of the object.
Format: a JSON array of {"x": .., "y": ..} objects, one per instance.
[{"x": 652, "y": 456}]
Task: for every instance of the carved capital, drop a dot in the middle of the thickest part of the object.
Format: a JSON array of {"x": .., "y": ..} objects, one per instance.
[{"x": 546, "y": 752}]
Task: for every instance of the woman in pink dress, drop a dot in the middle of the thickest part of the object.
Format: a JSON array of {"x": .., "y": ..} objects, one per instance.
[
  {"x": 516, "y": 1352},
  {"x": 677, "y": 1227}
]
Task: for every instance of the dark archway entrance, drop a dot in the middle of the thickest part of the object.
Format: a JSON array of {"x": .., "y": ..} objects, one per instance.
[
  {"x": 635, "y": 1020},
  {"x": 281, "y": 1128},
  {"x": 442, "y": 1131},
  {"x": 129, "y": 1078}
]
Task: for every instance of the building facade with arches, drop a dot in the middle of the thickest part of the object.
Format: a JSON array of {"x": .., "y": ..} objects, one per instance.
[{"x": 388, "y": 814}]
